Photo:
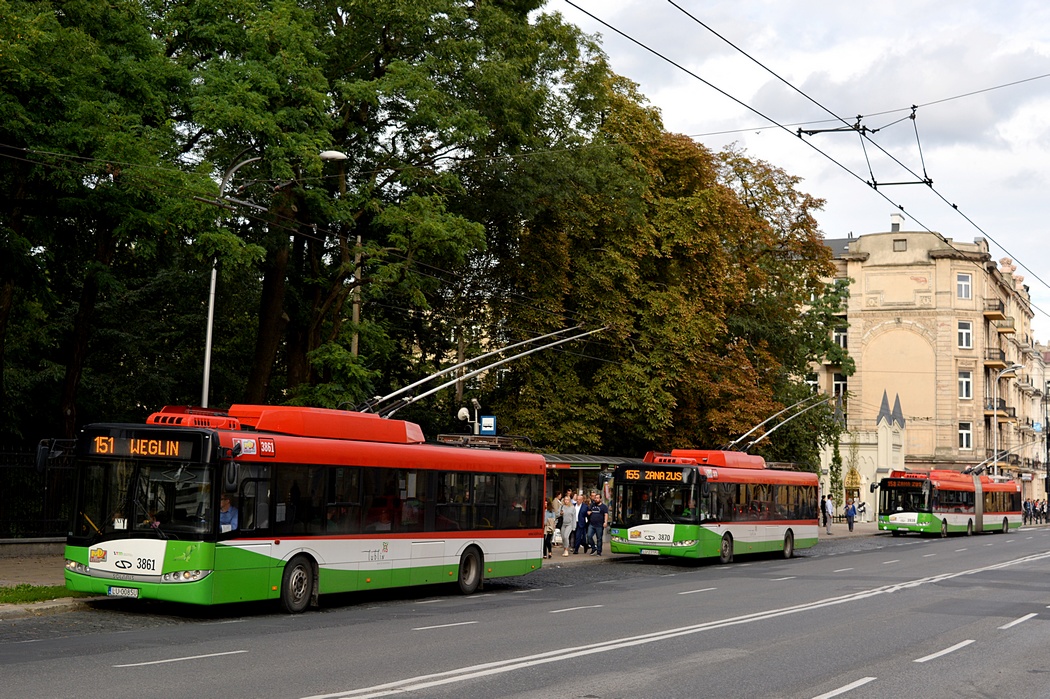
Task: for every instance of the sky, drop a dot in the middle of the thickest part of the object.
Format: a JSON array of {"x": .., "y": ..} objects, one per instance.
[{"x": 978, "y": 73}]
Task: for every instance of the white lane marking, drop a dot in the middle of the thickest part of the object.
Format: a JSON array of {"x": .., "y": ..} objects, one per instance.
[
  {"x": 846, "y": 688},
  {"x": 430, "y": 601},
  {"x": 573, "y": 609},
  {"x": 1015, "y": 622},
  {"x": 895, "y": 560},
  {"x": 179, "y": 660},
  {"x": 461, "y": 674},
  {"x": 693, "y": 592},
  {"x": 525, "y": 592},
  {"x": 946, "y": 651},
  {"x": 444, "y": 626},
  {"x": 842, "y": 570},
  {"x": 928, "y": 555},
  {"x": 790, "y": 577},
  {"x": 958, "y": 550}
]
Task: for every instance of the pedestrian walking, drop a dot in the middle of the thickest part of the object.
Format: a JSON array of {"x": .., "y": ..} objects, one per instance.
[
  {"x": 597, "y": 518},
  {"x": 851, "y": 513},
  {"x": 568, "y": 525},
  {"x": 829, "y": 513},
  {"x": 549, "y": 518},
  {"x": 582, "y": 510}
]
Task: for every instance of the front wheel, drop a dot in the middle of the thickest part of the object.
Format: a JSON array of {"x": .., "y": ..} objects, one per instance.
[
  {"x": 944, "y": 528},
  {"x": 725, "y": 551},
  {"x": 1006, "y": 525},
  {"x": 969, "y": 528},
  {"x": 297, "y": 585},
  {"x": 470, "y": 571},
  {"x": 789, "y": 544}
]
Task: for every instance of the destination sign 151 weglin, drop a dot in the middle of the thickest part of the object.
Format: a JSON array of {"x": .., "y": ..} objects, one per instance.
[{"x": 146, "y": 447}]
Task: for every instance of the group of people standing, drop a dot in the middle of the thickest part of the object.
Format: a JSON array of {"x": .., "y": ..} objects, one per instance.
[
  {"x": 581, "y": 521},
  {"x": 827, "y": 512},
  {"x": 1034, "y": 511}
]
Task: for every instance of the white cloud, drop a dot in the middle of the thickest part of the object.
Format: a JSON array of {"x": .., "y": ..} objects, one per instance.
[{"x": 986, "y": 153}]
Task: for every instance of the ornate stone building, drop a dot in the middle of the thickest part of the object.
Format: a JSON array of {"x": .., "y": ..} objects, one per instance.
[{"x": 946, "y": 331}]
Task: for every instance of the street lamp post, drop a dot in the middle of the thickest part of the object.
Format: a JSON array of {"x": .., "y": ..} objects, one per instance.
[
  {"x": 221, "y": 202},
  {"x": 995, "y": 416}
]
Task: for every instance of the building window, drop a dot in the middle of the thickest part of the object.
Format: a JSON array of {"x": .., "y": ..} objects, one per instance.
[
  {"x": 965, "y": 334},
  {"x": 900, "y": 244},
  {"x": 966, "y": 436},
  {"x": 964, "y": 285},
  {"x": 839, "y": 336},
  {"x": 838, "y": 385},
  {"x": 813, "y": 381},
  {"x": 966, "y": 385}
]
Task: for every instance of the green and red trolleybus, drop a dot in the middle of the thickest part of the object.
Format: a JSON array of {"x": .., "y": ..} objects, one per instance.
[
  {"x": 696, "y": 503},
  {"x": 940, "y": 501},
  {"x": 320, "y": 501}
]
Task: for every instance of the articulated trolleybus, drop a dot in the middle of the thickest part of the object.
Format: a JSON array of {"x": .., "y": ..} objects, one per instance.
[
  {"x": 697, "y": 504},
  {"x": 942, "y": 502},
  {"x": 286, "y": 503}
]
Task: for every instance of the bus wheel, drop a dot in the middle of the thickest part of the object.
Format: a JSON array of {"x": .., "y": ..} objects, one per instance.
[
  {"x": 944, "y": 528},
  {"x": 470, "y": 571},
  {"x": 297, "y": 585},
  {"x": 725, "y": 551},
  {"x": 1006, "y": 525},
  {"x": 895, "y": 533},
  {"x": 789, "y": 544},
  {"x": 969, "y": 527}
]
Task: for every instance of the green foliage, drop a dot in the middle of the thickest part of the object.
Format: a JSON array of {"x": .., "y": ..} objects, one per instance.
[{"x": 500, "y": 183}]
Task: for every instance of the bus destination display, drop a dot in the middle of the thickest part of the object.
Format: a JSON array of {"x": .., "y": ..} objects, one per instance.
[
  {"x": 654, "y": 474},
  {"x": 902, "y": 483},
  {"x": 148, "y": 447}
]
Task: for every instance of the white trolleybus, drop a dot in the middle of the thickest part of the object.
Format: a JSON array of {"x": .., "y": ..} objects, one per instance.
[
  {"x": 697, "y": 504},
  {"x": 943, "y": 502}
]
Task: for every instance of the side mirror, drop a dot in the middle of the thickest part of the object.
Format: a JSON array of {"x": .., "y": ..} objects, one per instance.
[
  {"x": 42, "y": 453},
  {"x": 873, "y": 487}
]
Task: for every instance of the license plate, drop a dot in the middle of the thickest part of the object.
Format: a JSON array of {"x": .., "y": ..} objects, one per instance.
[
  {"x": 650, "y": 552},
  {"x": 123, "y": 592}
]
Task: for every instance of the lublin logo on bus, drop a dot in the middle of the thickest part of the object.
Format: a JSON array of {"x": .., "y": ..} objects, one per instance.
[{"x": 97, "y": 556}]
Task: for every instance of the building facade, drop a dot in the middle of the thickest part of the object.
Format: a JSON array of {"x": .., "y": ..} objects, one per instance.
[{"x": 942, "y": 332}]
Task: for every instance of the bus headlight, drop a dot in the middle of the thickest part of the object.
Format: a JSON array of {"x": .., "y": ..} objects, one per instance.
[
  {"x": 75, "y": 567},
  {"x": 182, "y": 576}
]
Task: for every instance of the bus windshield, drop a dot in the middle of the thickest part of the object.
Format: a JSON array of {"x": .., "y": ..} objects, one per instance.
[
  {"x": 655, "y": 503},
  {"x": 124, "y": 498},
  {"x": 900, "y": 498}
]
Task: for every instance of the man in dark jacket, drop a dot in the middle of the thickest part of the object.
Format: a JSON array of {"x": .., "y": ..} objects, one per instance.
[{"x": 582, "y": 510}]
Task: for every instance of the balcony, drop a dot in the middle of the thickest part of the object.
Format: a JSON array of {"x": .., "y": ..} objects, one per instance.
[
  {"x": 994, "y": 309},
  {"x": 1004, "y": 327},
  {"x": 1000, "y": 409},
  {"x": 1025, "y": 425},
  {"x": 1024, "y": 382},
  {"x": 995, "y": 359}
]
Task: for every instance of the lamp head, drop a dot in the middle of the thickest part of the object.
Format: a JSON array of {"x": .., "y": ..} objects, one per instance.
[{"x": 333, "y": 155}]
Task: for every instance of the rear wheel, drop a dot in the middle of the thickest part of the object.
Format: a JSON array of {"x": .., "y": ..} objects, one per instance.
[
  {"x": 1006, "y": 525},
  {"x": 297, "y": 585},
  {"x": 470, "y": 571},
  {"x": 789, "y": 544},
  {"x": 969, "y": 528},
  {"x": 725, "y": 551},
  {"x": 944, "y": 528}
]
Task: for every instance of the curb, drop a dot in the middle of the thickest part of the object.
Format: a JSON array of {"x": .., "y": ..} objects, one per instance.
[{"x": 38, "y": 609}]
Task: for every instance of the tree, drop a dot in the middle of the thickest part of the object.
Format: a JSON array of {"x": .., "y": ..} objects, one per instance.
[
  {"x": 674, "y": 249},
  {"x": 86, "y": 111}
]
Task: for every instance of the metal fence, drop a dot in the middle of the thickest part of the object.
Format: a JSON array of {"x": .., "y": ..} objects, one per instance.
[{"x": 34, "y": 503}]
